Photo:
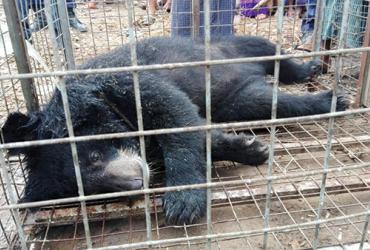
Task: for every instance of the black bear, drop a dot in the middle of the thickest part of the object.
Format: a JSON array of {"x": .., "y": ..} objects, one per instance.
[{"x": 105, "y": 103}]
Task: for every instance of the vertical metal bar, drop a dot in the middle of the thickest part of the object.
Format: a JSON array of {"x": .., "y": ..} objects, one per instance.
[
  {"x": 13, "y": 200},
  {"x": 135, "y": 74},
  {"x": 12, "y": 81},
  {"x": 66, "y": 34},
  {"x": 20, "y": 54},
  {"x": 207, "y": 41},
  {"x": 364, "y": 231},
  {"x": 363, "y": 89},
  {"x": 319, "y": 14},
  {"x": 62, "y": 88},
  {"x": 338, "y": 66},
  {"x": 363, "y": 99},
  {"x": 195, "y": 13},
  {"x": 279, "y": 30}
]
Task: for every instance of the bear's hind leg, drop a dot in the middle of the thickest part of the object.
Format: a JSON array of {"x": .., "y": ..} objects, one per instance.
[{"x": 254, "y": 102}]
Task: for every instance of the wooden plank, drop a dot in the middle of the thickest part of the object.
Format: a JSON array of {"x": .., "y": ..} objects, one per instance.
[
  {"x": 120, "y": 209},
  {"x": 317, "y": 144}
]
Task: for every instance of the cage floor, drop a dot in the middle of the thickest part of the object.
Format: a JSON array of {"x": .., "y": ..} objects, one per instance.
[{"x": 299, "y": 147}]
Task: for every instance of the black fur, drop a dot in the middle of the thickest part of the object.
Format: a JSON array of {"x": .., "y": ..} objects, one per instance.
[{"x": 170, "y": 98}]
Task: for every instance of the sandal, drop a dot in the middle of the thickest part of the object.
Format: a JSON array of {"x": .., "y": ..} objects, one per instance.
[{"x": 306, "y": 43}]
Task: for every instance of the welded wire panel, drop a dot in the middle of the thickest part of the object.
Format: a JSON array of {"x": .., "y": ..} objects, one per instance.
[
  {"x": 238, "y": 220},
  {"x": 241, "y": 207}
]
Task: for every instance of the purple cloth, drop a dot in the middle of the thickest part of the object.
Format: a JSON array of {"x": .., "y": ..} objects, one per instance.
[{"x": 246, "y": 7}]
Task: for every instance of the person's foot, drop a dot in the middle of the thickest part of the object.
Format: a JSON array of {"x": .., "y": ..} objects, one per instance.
[
  {"x": 167, "y": 6},
  {"x": 39, "y": 23},
  {"x": 148, "y": 20},
  {"x": 142, "y": 4},
  {"x": 75, "y": 23},
  {"x": 261, "y": 16},
  {"x": 92, "y": 5}
]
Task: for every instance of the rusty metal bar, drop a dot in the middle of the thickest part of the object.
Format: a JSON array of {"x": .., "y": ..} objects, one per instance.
[{"x": 21, "y": 54}]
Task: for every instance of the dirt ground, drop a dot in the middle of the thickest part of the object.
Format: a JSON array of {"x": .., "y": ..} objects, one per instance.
[{"x": 300, "y": 147}]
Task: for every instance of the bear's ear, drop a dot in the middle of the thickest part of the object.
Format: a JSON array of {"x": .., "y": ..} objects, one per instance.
[{"x": 20, "y": 127}]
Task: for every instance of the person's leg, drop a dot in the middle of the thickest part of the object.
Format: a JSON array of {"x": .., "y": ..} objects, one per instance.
[
  {"x": 40, "y": 21},
  {"x": 74, "y": 22},
  {"x": 311, "y": 12},
  {"x": 152, "y": 7},
  {"x": 222, "y": 17},
  {"x": 167, "y": 6},
  {"x": 181, "y": 21},
  {"x": 307, "y": 27},
  {"x": 23, "y": 7}
]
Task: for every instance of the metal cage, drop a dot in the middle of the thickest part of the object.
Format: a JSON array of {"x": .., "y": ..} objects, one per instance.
[{"x": 312, "y": 193}]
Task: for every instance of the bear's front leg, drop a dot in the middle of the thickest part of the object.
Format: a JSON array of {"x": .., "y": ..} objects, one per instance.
[
  {"x": 184, "y": 161},
  {"x": 165, "y": 106},
  {"x": 182, "y": 168}
]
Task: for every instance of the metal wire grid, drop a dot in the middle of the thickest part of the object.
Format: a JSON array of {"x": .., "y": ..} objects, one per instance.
[
  {"x": 11, "y": 91},
  {"x": 246, "y": 216},
  {"x": 108, "y": 29},
  {"x": 301, "y": 227}
]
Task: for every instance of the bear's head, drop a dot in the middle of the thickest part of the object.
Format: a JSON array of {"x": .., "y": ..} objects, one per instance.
[{"x": 106, "y": 165}]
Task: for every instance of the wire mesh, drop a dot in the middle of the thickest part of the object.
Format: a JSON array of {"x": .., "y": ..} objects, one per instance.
[{"x": 301, "y": 151}]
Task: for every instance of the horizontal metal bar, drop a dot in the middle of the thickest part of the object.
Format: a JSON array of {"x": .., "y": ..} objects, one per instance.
[
  {"x": 183, "y": 65},
  {"x": 182, "y": 187},
  {"x": 234, "y": 125},
  {"x": 279, "y": 229},
  {"x": 116, "y": 209}
]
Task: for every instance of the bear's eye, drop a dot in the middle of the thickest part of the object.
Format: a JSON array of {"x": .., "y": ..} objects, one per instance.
[{"x": 95, "y": 156}]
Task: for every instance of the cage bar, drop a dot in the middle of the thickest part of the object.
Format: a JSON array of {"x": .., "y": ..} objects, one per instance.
[
  {"x": 279, "y": 27},
  {"x": 305, "y": 152},
  {"x": 63, "y": 91},
  {"x": 135, "y": 75},
  {"x": 20, "y": 53}
]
